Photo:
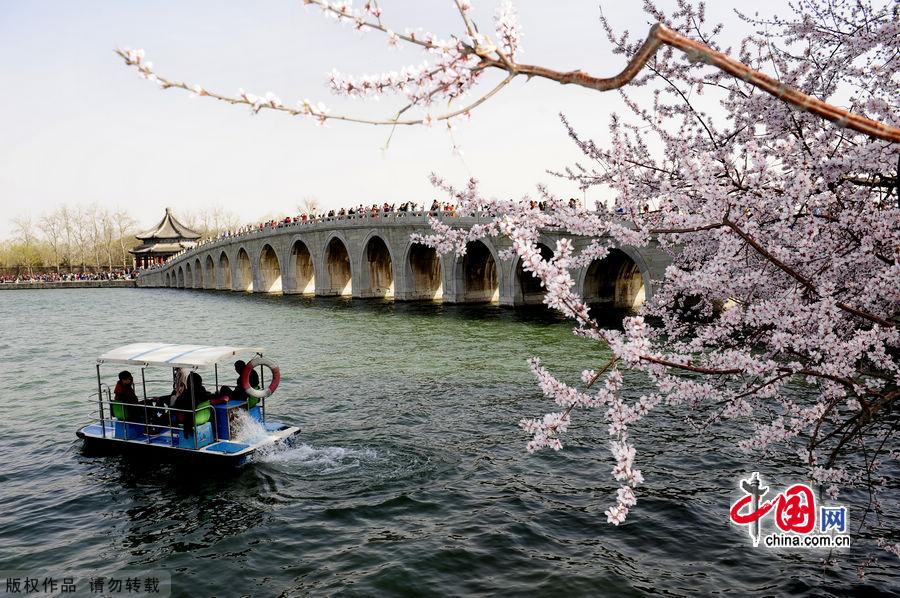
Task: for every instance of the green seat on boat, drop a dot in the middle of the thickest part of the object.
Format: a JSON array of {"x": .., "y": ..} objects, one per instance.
[
  {"x": 203, "y": 413},
  {"x": 118, "y": 410}
]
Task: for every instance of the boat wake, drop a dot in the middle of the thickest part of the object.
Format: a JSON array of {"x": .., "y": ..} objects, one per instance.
[
  {"x": 249, "y": 430},
  {"x": 321, "y": 460}
]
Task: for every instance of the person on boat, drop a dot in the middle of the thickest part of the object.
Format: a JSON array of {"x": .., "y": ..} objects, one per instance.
[
  {"x": 124, "y": 393},
  {"x": 161, "y": 416},
  {"x": 226, "y": 393},
  {"x": 239, "y": 394},
  {"x": 191, "y": 394}
]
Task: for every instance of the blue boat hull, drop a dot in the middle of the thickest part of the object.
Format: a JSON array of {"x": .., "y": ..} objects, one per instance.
[{"x": 162, "y": 447}]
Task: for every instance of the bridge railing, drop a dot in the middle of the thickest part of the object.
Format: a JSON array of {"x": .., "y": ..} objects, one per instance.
[{"x": 372, "y": 217}]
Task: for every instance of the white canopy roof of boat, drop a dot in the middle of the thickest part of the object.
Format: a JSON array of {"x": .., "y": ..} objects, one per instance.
[{"x": 173, "y": 355}]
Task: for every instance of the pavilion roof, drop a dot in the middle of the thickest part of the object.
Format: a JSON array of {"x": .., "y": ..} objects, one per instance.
[{"x": 169, "y": 228}]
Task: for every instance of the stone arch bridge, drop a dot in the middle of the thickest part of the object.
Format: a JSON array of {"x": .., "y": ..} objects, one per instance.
[{"x": 372, "y": 256}]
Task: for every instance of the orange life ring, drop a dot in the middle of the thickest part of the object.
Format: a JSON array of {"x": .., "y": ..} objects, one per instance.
[{"x": 251, "y": 365}]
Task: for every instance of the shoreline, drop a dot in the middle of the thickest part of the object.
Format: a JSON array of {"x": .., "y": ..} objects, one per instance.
[{"x": 69, "y": 284}]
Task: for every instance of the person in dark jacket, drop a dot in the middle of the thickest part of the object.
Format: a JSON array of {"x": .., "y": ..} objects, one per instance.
[
  {"x": 124, "y": 393},
  {"x": 192, "y": 394},
  {"x": 239, "y": 394}
]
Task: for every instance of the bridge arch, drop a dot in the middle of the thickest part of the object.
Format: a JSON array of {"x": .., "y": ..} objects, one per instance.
[
  {"x": 270, "y": 278},
  {"x": 209, "y": 273},
  {"x": 243, "y": 271},
  {"x": 338, "y": 278},
  {"x": 376, "y": 268},
  {"x": 301, "y": 271},
  {"x": 423, "y": 273},
  {"x": 528, "y": 289},
  {"x": 365, "y": 257},
  {"x": 223, "y": 273},
  {"x": 198, "y": 274},
  {"x": 620, "y": 280},
  {"x": 476, "y": 274}
]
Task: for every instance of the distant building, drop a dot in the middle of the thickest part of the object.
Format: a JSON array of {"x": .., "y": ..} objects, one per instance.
[{"x": 163, "y": 241}]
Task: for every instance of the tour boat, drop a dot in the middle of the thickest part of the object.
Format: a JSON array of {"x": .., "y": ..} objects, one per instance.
[{"x": 219, "y": 434}]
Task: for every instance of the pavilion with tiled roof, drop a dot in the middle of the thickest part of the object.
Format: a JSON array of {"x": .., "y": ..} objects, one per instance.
[{"x": 163, "y": 241}]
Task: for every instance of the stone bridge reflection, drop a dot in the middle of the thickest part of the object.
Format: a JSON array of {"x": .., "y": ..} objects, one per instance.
[{"x": 373, "y": 256}]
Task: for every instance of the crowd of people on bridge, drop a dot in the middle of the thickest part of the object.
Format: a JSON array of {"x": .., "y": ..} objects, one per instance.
[
  {"x": 360, "y": 211},
  {"x": 373, "y": 211},
  {"x": 25, "y": 277}
]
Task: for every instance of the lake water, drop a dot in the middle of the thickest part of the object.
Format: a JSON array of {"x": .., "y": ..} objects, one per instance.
[{"x": 410, "y": 476}]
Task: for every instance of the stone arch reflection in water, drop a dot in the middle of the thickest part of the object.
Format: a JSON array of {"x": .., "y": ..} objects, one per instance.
[
  {"x": 478, "y": 274},
  {"x": 337, "y": 267},
  {"x": 243, "y": 272},
  {"x": 209, "y": 274},
  {"x": 379, "y": 268},
  {"x": 425, "y": 273},
  {"x": 269, "y": 271},
  {"x": 198, "y": 274},
  {"x": 223, "y": 275},
  {"x": 614, "y": 282},
  {"x": 528, "y": 288},
  {"x": 304, "y": 281}
]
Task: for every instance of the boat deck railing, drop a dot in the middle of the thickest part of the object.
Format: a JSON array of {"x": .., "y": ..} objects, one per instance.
[{"x": 149, "y": 436}]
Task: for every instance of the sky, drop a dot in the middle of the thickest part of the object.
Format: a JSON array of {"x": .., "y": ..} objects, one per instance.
[{"x": 78, "y": 127}]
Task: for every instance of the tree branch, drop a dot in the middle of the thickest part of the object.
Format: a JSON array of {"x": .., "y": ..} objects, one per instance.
[
  {"x": 802, "y": 279},
  {"x": 661, "y": 35},
  {"x": 691, "y": 368}
]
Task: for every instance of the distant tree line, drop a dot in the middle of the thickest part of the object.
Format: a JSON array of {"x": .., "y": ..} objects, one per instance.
[
  {"x": 70, "y": 238},
  {"x": 210, "y": 221},
  {"x": 79, "y": 238}
]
